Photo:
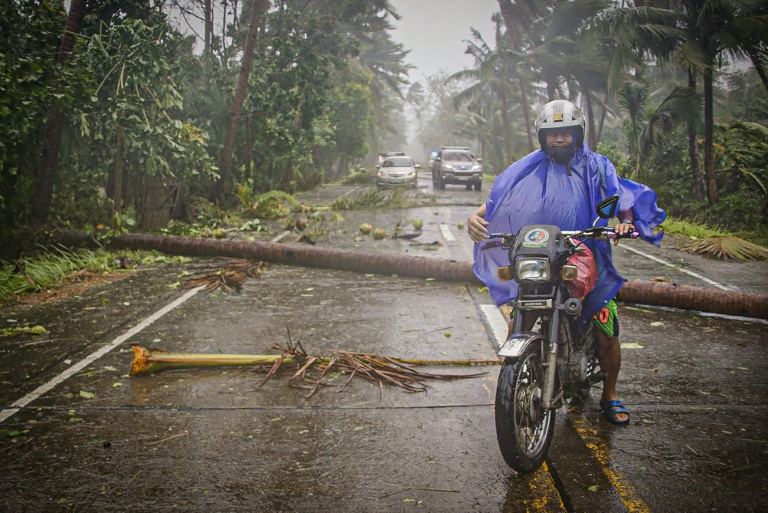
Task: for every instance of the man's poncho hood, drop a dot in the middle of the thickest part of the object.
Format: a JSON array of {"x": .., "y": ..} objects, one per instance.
[{"x": 532, "y": 191}]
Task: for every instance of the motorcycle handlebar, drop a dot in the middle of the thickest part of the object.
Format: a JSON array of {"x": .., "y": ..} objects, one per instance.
[
  {"x": 630, "y": 235},
  {"x": 600, "y": 231},
  {"x": 494, "y": 240},
  {"x": 494, "y": 243}
]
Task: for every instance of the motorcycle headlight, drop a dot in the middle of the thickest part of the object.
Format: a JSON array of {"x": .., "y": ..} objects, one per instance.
[{"x": 532, "y": 269}]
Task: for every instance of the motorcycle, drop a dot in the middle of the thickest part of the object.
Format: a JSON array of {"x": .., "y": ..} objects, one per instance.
[{"x": 544, "y": 368}]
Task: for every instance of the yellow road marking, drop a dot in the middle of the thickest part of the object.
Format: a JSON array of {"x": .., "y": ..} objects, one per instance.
[
  {"x": 624, "y": 489},
  {"x": 542, "y": 485},
  {"x": 546, "y": 496}
]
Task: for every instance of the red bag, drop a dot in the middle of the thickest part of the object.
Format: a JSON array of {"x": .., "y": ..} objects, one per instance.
[{"x": 586, "y": 277}]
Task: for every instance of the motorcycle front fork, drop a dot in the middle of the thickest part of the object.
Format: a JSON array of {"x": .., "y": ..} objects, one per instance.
[{"x": 551, "y": 331}]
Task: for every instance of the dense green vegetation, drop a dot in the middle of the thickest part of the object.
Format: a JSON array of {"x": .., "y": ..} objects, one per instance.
[
  {"x": 674, "y": 92},
  {"x": 107, "y": 104}
]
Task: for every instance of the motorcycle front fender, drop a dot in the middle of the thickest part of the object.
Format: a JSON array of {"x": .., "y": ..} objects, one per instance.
[{"x": 517, "y": 343}]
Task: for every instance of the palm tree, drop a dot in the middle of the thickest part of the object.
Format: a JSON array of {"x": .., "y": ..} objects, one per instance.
[
  {"x": 258, "y": 7},
  {"x": 44, "y": 182},
  {"x": 490, "y": 79},
  {"x": 557, "y": 38},
  {"x": 518, "y": 18},
  {"x": 697, "y": 36},
  {"x": 633, "y": 98},
  {"x": 384, "y": 61},
  {"x": 680, "y": 106},
  {"x": 730, "y": 31},
  {"x": 570, "y": 53},
  {"x": 636, "y": 34}
]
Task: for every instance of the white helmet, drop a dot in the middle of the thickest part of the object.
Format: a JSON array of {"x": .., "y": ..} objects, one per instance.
[{"x": 560, "y": 114}]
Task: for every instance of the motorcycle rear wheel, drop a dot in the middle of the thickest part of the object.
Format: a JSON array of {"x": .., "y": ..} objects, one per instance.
[{"x": 524, "y": 429}]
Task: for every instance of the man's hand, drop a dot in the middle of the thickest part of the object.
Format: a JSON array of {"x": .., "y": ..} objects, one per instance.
[
  {"x": 476, "y": 225},
  {"x": 623, "y": 228}
]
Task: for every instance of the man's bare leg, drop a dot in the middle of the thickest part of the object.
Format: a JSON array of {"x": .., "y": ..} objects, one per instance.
[{"x": 609, "y": 357}]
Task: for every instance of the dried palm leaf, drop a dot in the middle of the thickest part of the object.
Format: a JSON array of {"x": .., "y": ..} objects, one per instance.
[
  {"x": 233, "y": 276},
  {"x": 727, "y": 248}
]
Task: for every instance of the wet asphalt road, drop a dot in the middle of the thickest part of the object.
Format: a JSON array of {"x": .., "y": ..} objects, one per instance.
[{"x": 211, "y": 440}]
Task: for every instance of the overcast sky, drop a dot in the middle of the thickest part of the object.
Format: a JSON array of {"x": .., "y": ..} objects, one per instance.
[{"x": 436, "y": 30}]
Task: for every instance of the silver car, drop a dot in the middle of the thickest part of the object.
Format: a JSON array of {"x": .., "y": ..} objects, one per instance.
[{"x": 399, "y": 170}]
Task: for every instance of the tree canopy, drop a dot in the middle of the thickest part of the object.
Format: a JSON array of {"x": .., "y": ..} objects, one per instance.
[{"x": 112, "y": 101}]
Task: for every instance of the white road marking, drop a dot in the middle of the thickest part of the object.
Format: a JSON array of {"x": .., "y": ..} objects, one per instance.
[
  {"x": 74, "y": 369},
  {"x": 446, "y": 231},
  {"x": 690, "y": 273},
  {"x": 497, "y": 322}
]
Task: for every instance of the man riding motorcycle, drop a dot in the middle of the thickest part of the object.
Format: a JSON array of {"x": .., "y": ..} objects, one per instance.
[{"x": 560, "y": 185}]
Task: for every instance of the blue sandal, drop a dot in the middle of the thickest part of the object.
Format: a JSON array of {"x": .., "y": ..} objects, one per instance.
[{"x": 611, "y": 408}]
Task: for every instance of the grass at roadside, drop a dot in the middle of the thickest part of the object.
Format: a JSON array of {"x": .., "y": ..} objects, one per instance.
[
  {"x": 49, "y": 268},
  {"x": 690, "y": 230},
  {"x": 695, "y": 231}
]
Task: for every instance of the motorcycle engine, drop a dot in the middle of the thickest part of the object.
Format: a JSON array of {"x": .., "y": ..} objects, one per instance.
[
  {"x": 576, "y": 359},
  {"x": 573, "y": 363}
]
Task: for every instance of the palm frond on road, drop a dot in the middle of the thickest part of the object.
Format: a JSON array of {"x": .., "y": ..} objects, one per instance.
[{"x": 727, "y": 248}]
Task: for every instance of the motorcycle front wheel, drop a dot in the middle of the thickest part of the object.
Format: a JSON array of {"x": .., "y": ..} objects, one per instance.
[{"x": 524, "y": 428}]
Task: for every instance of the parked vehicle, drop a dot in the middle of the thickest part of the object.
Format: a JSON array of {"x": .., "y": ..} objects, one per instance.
[
  {"x": 457, "y": 165},
  {"x": 544, "y": 368},
  {"x": 399, "y": 170}
]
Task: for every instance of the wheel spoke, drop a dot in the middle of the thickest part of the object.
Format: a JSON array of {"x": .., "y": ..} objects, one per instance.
[
  {"x": 529, "y": 419},
  {"x": 524, "y": 429}
]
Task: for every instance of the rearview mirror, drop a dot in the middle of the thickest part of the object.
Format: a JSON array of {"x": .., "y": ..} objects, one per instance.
[{"x": 607, "y": 208}]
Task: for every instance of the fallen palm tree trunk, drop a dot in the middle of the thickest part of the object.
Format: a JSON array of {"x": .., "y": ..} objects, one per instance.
[
  {"x": 695, "y": 298},
  {"x": 635, "y": 291},
  {"x": 303, "y": 255},
  {"x": 373, "y": 367}
]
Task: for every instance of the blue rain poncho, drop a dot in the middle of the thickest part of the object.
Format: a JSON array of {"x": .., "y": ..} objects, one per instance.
[{"x": 536, "y": 190}]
